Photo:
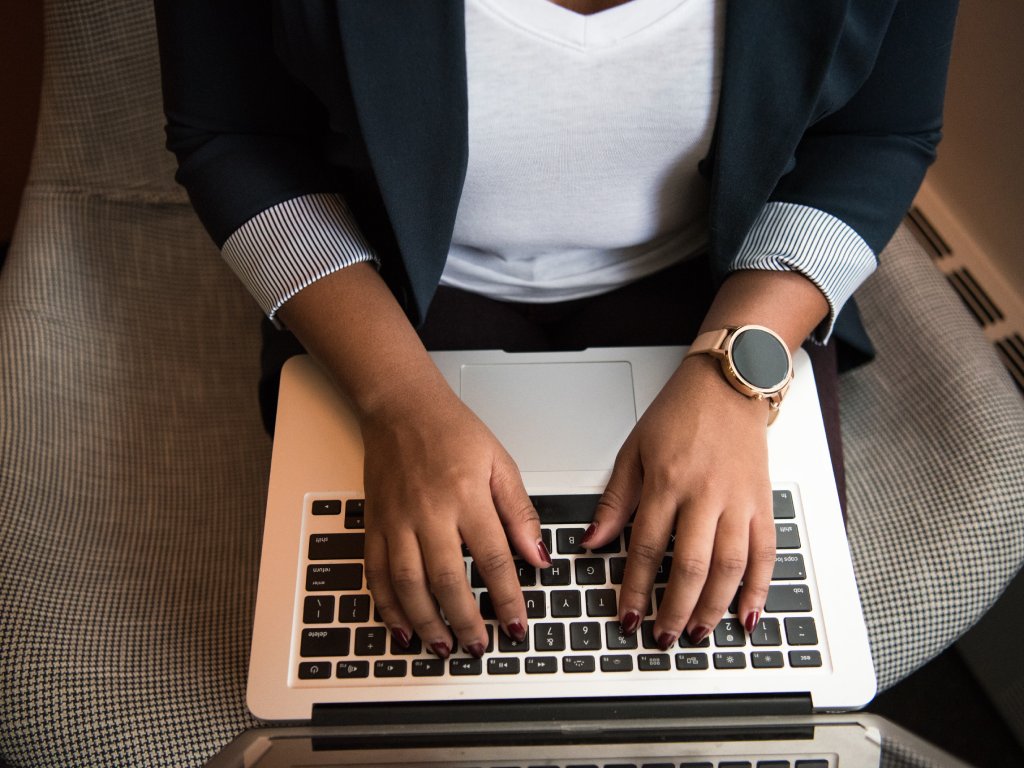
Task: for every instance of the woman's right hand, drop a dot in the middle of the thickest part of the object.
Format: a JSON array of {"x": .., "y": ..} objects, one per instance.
[{"x": 435, "y": 477}]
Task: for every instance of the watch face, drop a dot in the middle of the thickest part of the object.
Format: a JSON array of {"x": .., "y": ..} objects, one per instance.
[{"x": 760, "y": 358}]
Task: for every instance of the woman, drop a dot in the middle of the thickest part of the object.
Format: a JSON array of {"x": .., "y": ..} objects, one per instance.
[{"x": 325, "y": 147}]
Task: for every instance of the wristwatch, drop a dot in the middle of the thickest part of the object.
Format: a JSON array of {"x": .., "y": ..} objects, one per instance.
[{"x": 754, "y": 360}]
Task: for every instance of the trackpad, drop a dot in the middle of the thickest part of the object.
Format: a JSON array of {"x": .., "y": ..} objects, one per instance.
[{"x": 554, "y": 416}]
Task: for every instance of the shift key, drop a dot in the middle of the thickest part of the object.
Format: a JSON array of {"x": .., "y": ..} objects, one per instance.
[{"x": 334, "y": 577}]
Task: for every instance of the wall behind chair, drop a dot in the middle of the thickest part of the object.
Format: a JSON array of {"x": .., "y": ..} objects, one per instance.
[{"x": 21, "y": 66}]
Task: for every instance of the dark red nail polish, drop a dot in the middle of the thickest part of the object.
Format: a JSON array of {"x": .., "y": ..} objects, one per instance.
[
  {"x": 697, "y": 634},
  {"x": 588, "y": 534},
  {"x": 476, "y": 650},
  {"x": 542, "y": 550},
  {"x": 630, "y": 622},
  {"x": 441, "y": 649},
  {"x": 399, "y": 636},
  {"x": 751, "y": 621},
  {"x": 517, "y": 631},
  {"x": 666, "y": 640}
]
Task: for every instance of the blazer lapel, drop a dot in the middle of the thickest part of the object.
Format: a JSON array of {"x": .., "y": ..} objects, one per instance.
[
  {"x": 407, "y": 69},
  {"x": 777, "y": 55}
]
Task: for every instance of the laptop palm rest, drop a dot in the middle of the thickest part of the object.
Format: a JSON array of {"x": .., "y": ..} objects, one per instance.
[{"x": 554, "y": 416}]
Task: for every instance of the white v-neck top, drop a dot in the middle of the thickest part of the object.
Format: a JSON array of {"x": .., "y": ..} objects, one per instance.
[{"x": 584, "y": 138}]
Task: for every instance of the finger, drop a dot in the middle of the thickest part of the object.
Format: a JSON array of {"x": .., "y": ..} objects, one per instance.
[
  {"x": 655, "y": 517},
  {"x": 691, "y": 559},
  {"x": 760, "y": 564},
  {"x": 446, "y": 577},
  {"x": 517, "y": 513},
  {"x": 487, "y": 543},
  {"x": 409, "y": 582},
  {"x": 619, "y": 500},
  {"x": 378, "y": 581},
  {"x": 728, "y": 562}
]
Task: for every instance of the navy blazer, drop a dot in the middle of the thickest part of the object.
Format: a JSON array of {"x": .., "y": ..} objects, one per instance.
[{"x": 833, "y": 104}]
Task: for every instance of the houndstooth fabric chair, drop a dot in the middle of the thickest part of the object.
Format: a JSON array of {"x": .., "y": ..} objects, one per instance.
[{"x": 133, "y": 465}]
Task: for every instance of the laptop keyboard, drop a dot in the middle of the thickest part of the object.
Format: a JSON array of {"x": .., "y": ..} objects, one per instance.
[{"x": 572, "y": 610}]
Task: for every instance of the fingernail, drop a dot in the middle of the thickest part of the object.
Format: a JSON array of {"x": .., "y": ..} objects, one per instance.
[
  {"x": 588, "y": 534},
  {"x": 542, "y": 550},
  {"x": 666, "y": 640},
  {"x": 630, "y": 622},
  {"x": 751, "y": 621},
  {"x": 399, "y": 636},
  {"x": 441, "y": 649},
  {"x": 476, "y": 650},
  {"x": 516, "y": 630},
  {"x": 697, "y": 634}
]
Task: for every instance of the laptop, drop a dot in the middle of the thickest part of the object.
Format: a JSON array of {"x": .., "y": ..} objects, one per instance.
[{"x": 319, "y": 653}]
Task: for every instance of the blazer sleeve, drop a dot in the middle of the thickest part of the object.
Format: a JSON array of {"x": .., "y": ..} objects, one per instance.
[
  {"x": 246, "y": 136},
  {"x": 858, "y": 168}
]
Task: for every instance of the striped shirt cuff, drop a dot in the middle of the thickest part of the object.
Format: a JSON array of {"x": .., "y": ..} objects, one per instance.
[
  {"x": 787, "y": 237},
  {"x": 280, "y": 251}
]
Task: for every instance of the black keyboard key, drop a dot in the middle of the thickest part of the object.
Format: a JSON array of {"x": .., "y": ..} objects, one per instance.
[
  {"x": 526, "y": 573},
  {"x": 465, "y": 667},
  {"x": 735, "y": 764},
  {"x": 727, "y": 660},
  {"x": 541, "y": 665},
  {"x": 613, "y": 547},
  {"x": 773, "y": 764},
  {"x": 585, "y": 636},
  {"x": 800, "y": 630},
  {"x": 811, "y": 764},
  {"x": 766, "y": 633},
  {"x": 654, "y": 662},
  {"x": 662, "y": 574},
  {"x": 590, "y": 571},
  {"x": 475, "y": 579},
  {"x": 766, "y": 659},
  {"x": 620, "y": 662},
  {"x": 688, "y": 661},
  {"x": 804, "y": 659},
  {"x": 390, "y": 668},
  {"x": 354, "y": 609},
  {"x": 647, "y": 635},
  {"x": 371, "y": 641},
  {"x": 568, "y": 541},
  {"x": 782, "y": 505},
  {"x": 558, "y": 575},
  {"x": 507, "y": 645},
  {"x": 614, "y": 638},
  {"x": 565, "y": 603},
  {"x": 499, "y": 666},
  {"x": 788, "y": 598},
  {"x": 427, "y": 667},
  {"x": 318, "y": 609},
  {"x": 348, "y": 670},
  {"x": 324, "y": 642},
  {"x": 617, "y": 567},
  {"x": 536, "y": 604},
  {"x": 334, "y": 577},
  {"x": 789, "y": 566},
  {"x": 729, "y": 634},
  {"x": 314, "y": 670},
  {"x": 336, "y": 546},
  {"x": 545, "y": 534},
  {"x": 572, "y": 664},
  {"x": 354, "y": 516},
  {"x": 787, "y": 536},
  {"x": 327, "y": 507},
  {"x": 684, "y": 642},
  {"x": 601, "y": 602},
  {"x": 696, "y": 765},
  {"x": 567, "y": 508},
  {"x": 414, "y": 649},
  {"x": 549, "y": 637}
]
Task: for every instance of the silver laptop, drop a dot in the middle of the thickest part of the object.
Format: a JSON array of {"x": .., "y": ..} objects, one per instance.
[{"x": 318, "y": 652}]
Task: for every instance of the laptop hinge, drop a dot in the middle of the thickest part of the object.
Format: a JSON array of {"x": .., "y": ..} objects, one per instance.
[{"x": 561, "y": 710}]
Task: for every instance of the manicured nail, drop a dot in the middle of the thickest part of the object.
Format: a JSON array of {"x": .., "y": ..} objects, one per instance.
[
  {"x": 441, "y": 649},
  {"x": 697, "y": 634},
  {"x": 400, "y": 637},
  {"x": 516, "y": 630},
  {"x": 476, "y": 650},
  {"x": 589, "y": 533},
  {"x": 666, "y": 640},
  {"x": 751, "y": 621},
  {"x": 630, "y": 622},
  {"x": 542, "y": 550}
]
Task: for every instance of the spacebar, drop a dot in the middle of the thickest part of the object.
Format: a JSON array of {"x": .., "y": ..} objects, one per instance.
[{"x": 568, "y": 508}]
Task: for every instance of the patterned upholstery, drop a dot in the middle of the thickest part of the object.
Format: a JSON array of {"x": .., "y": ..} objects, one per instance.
[{"x": 133, "y": 465}]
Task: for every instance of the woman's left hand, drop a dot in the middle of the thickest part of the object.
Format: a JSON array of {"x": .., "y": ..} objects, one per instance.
[{"x": 696, "y": 464}]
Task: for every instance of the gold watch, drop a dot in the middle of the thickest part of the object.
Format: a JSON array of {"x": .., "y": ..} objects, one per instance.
[{"x": 754, "y": 359}]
